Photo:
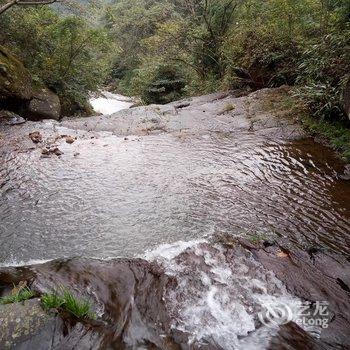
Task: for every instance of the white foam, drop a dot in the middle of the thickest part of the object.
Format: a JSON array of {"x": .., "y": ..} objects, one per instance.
[
  {"x": 217, "y": 300},
  {"x": 167, "y": 252},
  {"x": 19, "y": 263}
]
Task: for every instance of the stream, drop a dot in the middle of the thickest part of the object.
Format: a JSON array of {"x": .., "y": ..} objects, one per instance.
[{"x": 158, "y": 195}]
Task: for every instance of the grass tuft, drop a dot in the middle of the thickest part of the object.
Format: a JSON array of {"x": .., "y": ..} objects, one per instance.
[
  {"x": 51, "y": 301},
  {"x": 66, "y": 300},
  {"x": 22, "y": 295}
]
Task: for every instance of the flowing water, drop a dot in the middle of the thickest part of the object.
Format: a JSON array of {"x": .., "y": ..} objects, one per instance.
[
  {"x": 112, "y": 196},
  {"x": 119, "y": 197}
]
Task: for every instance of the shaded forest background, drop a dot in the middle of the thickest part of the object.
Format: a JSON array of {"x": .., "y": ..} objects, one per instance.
[{"x": 164, "y": 50}]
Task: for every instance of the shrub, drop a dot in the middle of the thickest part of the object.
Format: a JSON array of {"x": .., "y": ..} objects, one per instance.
[
  {"x": 159, "y": 84},
  {"x": 323, "y": 71}
]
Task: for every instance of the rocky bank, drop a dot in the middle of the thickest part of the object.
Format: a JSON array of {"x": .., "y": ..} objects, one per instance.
[
  {"x": 19, "y": 94},
  {"x": 131, "y": 298}
]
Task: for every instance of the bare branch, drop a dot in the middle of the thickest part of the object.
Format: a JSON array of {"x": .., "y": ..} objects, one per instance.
[
  {"x": 31, "y": 3},
  {"x": 7, "y": 6},
  {"x": 11, "y": 3}
]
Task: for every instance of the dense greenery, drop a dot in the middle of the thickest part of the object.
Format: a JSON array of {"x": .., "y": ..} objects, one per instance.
[
  {"x": 161, "y": 50},
  {"x": 221, "y": 44},
  {"x": 65, "y": 53}
]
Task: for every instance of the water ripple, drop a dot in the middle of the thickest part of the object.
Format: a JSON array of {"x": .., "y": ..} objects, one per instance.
[{"x": 119, "y": 197}]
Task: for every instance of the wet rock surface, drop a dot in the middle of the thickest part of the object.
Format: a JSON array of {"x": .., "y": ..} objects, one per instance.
[
  {"x": 220, "y": 163},
  {"x": 199, "y": 115},
  {"x": 292, "y": 337},
  {"x": 314, "y": 275},
  {"x": 11, "y": 118},
  {"x": 140, "y": 303}
]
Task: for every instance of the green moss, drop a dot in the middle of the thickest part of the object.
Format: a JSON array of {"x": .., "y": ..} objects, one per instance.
[
  {"x": 228, "y": 108},
  {"x": 256, "y": 237},
  {"x": 22, "y": 295},
  {"x": 15, "y": 79},
  {"x": 67, "y": 301}
]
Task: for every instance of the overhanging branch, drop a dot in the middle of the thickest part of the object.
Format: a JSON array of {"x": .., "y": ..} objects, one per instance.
[{"x": 24, "y": 3}]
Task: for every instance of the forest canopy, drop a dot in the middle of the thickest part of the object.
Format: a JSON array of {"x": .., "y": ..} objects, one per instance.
[{"x": 163, "y": 50}]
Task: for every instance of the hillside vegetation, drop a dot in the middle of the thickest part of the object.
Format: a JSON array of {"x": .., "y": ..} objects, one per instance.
[{"x": 164, "y": 50}]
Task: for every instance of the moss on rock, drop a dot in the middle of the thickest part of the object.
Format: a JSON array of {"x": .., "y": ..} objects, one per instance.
[{"x": 15, "y": 79}]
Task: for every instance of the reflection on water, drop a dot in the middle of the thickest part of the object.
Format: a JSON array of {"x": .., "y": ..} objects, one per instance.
[{"x": 120, "y": 197}]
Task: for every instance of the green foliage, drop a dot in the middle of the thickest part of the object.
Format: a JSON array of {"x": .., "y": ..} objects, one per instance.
[
  {"x": 66, "y": 300},
  {"x": 225, "y": 44},
  {"x": 51, "y": 301},
  {"x": 63, "y": 52},
  {"x": 131, "y": 21},
  {"x": 257, "y": 237},
  {"x": 22, "y": 295},
  {"x": 323, "y": 71},
  {"x": 161, "y": 50},
  {"x": 169, "y": 34},
  {"x": 162, "y": 84}
]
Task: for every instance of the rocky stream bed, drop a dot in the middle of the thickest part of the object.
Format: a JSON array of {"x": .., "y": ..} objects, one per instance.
[{"x": 179, "y": 223}]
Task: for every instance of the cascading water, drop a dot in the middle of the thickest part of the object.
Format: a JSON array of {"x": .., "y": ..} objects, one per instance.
[{"x": 219, "y": 295}]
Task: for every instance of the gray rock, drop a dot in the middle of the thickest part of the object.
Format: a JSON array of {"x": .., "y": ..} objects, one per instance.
[
  {"x": 15, "y": 120},
  {"x": 26, "y": 326},
  {"x": 45, "y": 105},
  {"x": 11, "y": 118}
]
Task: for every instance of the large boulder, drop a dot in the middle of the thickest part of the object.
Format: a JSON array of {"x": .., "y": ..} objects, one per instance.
[
  {"x": 44, "y": 105},
  {"x": 15, "y": 80}
]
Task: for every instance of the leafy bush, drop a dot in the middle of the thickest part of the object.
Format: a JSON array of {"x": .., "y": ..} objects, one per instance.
[
  {"x": 230, "y": 44},
  {"x": 323, "y": 72}
]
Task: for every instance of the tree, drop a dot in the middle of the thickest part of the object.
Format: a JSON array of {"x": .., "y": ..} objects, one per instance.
[
  {"x": 11, "y": 3},
  {"x": 62, "y": 52}
]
